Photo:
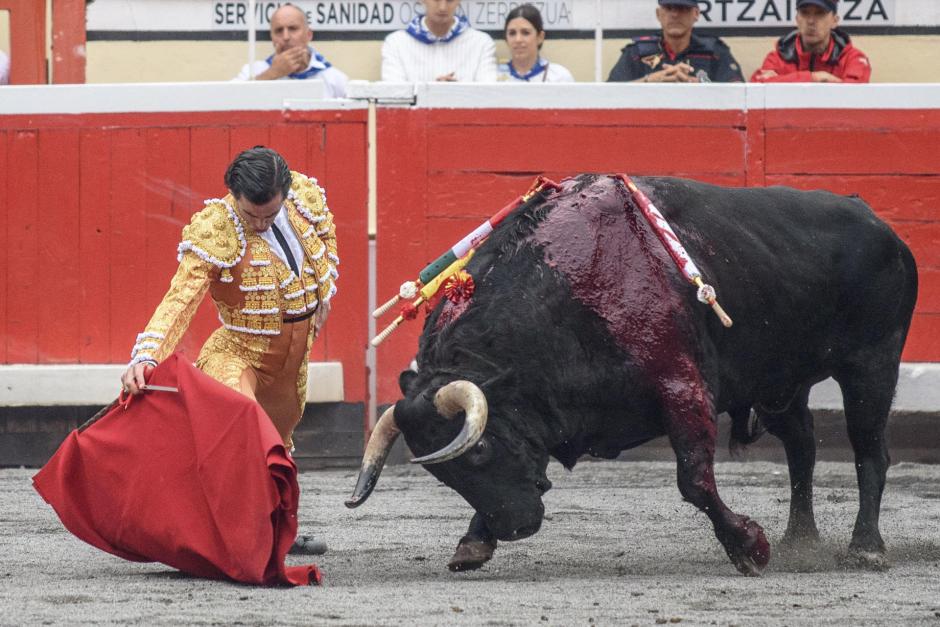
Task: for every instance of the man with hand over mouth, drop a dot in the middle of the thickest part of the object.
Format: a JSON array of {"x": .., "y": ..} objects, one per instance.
[{"x": 294, "y": 57}]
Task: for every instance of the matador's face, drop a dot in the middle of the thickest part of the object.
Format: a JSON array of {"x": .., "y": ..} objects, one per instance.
[{"x": 258, "y": 218}]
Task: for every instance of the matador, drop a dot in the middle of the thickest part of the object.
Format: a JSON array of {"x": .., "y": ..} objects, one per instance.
[{"x": 267, "y": 254}]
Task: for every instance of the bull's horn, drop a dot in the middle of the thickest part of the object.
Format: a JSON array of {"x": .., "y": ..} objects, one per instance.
[
  {"x": 383, "y": 436},
  {"x": 454, "y": 397}
]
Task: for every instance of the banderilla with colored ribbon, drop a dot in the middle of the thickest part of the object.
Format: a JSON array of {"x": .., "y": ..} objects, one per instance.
[
  {"x": 435, "y": 273},
  {"x": 670, "y": 241}
]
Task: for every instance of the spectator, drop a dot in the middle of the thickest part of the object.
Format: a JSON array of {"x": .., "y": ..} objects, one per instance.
[
  {"x": 4, "y": 68},
  {"x": 524, "y": 35},
  {"x": 677, "y": 55},
  {"x": 816, "y": 51},
  {"x": 293, "y": 56},
  {"x": 439, "y": 46}
]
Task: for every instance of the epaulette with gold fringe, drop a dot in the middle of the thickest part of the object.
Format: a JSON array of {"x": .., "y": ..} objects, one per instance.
[{"x": 215, "y": 235}]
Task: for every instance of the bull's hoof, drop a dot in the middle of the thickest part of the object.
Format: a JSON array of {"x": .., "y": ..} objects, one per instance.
[
  {"x": 748, "y": 567},
  {"x": 799, "y": 543},
  {"x": 867, "y": 560},
  {"x": 471, "y": 554},
  {"x": 800, "y": 539},
  {"x": 752, "y": 557}
]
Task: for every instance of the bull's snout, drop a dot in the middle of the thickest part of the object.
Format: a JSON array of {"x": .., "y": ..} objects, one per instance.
[
  {"x": 525, "y": 531},
  {"x": 517, "y": 524}
]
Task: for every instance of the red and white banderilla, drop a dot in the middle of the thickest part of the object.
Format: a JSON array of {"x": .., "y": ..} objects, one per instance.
[{"x": 706, "y": 293}]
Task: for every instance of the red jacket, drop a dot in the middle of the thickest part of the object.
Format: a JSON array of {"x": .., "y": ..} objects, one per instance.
[{"x": 795, "y": 65}]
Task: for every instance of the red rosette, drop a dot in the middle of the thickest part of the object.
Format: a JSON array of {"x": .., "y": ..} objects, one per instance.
[
  {"x": 409, "y": 311},
  {"x": 459, "y": 288}
]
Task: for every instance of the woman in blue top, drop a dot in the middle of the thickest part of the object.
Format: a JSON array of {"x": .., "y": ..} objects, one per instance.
[{"x": 524, "y": 35}]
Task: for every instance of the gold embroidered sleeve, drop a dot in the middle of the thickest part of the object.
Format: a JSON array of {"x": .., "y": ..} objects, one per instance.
[
  {"x": 326, "y": 231},
  {"x": 174, "y": 313},
  {"x": 310, "y": 200}
]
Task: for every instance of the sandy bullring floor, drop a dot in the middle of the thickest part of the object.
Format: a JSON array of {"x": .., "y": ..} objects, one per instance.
[{"x": 618, "y": 547}]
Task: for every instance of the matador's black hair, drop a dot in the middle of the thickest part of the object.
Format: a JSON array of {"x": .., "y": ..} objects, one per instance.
[{"x": 258, "y": 175}]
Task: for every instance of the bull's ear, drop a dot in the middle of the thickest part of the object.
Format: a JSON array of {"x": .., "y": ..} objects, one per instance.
[{"x": 406, "y": 380}]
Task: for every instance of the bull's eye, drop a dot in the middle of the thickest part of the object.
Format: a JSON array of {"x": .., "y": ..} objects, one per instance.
[{"x": 479, "y": 453}]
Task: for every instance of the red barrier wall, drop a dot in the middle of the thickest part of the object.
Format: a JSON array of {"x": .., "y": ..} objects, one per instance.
[
  {"x": 890, "y": 158},
  {"x": 91, "y": 205},
  {"x": 92, "y": 209},
  {"x": 447, "y": 170}
]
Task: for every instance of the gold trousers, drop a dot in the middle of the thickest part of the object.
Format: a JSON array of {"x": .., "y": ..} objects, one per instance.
[{"x": 272, "y": 370}]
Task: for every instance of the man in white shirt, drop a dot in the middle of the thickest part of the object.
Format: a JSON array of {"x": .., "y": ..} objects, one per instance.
[
  {"x": 293, "y": 56},
  {"x": 439, "y": 46}
]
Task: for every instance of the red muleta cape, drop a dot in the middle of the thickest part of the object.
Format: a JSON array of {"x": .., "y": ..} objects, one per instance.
[{"x": 198, "y": 480}]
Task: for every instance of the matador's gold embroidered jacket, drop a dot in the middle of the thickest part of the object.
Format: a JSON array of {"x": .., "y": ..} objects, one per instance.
[{"x": 252, "y": 288}]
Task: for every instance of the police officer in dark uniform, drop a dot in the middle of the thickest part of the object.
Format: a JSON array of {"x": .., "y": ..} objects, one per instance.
[{"x": 677, "y": 55}]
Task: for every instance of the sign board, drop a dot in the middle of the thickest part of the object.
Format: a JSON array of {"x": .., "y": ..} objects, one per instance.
[{"x": 570, "y": 15}]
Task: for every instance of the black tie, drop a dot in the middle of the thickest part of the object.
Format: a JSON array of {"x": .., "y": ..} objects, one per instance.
[{"x": 283, "y": 242}]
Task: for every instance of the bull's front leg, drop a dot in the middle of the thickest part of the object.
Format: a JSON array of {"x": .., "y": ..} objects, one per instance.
[
  {"x": 476, "y": 547},
  {"x": 691, "y": 425}
]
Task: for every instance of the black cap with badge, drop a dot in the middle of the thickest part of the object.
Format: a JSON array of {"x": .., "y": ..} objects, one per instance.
[{"x": 828, "y": 5}]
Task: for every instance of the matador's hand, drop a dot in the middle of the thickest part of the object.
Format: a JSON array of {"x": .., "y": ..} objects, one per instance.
[
  {"x": 319, "y": 318},
  {"x": 135, "y": 376}
]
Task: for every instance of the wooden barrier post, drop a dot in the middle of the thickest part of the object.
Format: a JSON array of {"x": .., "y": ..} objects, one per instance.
[
  {"x": 68, "y": 41},
  {"x": 27, "y": 41}
]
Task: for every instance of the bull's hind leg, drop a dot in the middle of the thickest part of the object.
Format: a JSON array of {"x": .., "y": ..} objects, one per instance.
[
  {"x": 691, "y": 426},
  {"x": 867, "y": 392},
  {"x": 794, "y": 427}
]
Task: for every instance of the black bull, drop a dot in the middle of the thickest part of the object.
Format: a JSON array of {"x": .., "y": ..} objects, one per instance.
[{"x": 583, "y": 337}]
